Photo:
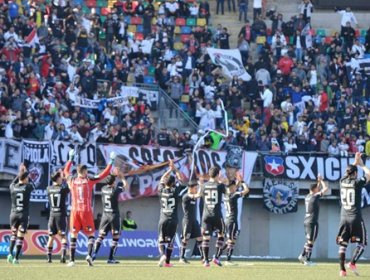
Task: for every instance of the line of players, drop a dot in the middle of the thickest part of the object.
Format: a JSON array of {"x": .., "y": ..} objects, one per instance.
[
  {"x": 351, "y": 227},
  {"x": 81, "y": 186}
]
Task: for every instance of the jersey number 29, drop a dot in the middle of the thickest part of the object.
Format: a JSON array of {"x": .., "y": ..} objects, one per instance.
[
  {"x": 210, "y": 197},
  {"x": 347, "y": 197}
]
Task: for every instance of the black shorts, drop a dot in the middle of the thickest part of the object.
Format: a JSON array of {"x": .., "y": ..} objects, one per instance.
[
  {"x": 353, "y": 230},
  {"x": 190, "y": 229},
  {"x": 19, "y": 221},
  {"x": 211, "y": 224},
  {"x": 232, "y": 230},
  {"x": 311, "y": 231},
  {"x": 110, "y": 221},
  {"x": 167, "y": 230},
  {"x": 57, "y": 225}
]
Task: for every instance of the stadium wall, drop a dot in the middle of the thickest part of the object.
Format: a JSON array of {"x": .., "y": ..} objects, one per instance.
[{"x": 262, "y": 233}]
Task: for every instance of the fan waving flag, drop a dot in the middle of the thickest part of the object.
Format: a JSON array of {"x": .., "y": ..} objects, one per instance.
[
  {"x": 32, "y": 39},
  {"x": 230, "y": 61}
]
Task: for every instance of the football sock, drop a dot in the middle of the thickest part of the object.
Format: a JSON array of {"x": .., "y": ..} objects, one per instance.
[
  {"x": 357, "y": 253},
  {"x": 64, "y": 249},
  {"x": 308, "y": 248},
  {"x": 49, "y": 252},
  {"x": 13, "y": 238},
  {"x": 18, "y": 247},
  {"x": 230, "y": 249},
  {"x": 205, "y": 247},
  {"x": 342, "y": 257},
  {"x": 219, "y": 247},
  {"x": 98, "y": 243},
  {"x": 113, "y": 248},
  {"x": 90, "y": 245},
  {"x": 162, "y": 247},
  {"x": 169, "y": 252},
  {"x": 73, "y": 249},
  {"x": 199, "y": 245},
  {"x": 183, "y": 249}
]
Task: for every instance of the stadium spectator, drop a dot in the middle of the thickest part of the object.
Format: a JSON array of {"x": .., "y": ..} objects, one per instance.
[{"x": 129, "y": 224}]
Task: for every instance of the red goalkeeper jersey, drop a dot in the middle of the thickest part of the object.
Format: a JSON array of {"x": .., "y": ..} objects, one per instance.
[{"x": 82, "y": 189}]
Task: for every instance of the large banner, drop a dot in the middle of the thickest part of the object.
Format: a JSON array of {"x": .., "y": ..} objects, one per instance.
[
  {"x": 36, "y": 156},
  {"x": 131, "y": 244},
  {"x": 305, "y": 167},
  {"x": 10, "y": 156},
  {"x": 230, "y": 61},
  {"x": 145, "y": 165},
  {"x": 150, "y": 96},
  {"x": 280, "y": 197}
]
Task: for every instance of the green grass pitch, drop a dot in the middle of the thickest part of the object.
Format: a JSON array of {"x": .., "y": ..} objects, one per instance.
[{"x": 147, "y": 269}]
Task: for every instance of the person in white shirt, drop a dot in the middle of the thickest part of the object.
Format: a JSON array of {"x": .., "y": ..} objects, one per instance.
[
  {"x": 257, "y": 8},
  {"x": 72, "y": 93},
  {"x": 49, "y": 131},
  {"x": 289, "y": 145},
  {"x": 358, "y": 49},
  {"x": 360, "y": 142},
  {"x": 343, "y": 148},
  {"x": 333, "y": 149},
  {"x": 172, "y": 68},
  {"x": 194, "y": 10},
  {"x": 75, "y": 135},
  {"x": 266, "y": 97},
  {"x": 11, "y": 34},
  {"x": 306, "y": 9},
  {"x": 264, "y": 76},
  {"x": 207, "y": 117},
  {"x": 64, "y": 119},
  {"x": 347, "y": 16}
]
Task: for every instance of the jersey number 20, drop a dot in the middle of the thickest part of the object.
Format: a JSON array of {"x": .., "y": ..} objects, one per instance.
[{"x": 347, "y": 197}]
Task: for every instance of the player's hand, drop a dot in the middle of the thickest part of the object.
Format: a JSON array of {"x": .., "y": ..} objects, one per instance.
[
  {"x": 172, "y": 165},
  {"x": 319, "y": 178},
  {"x": 358, "y": 159},
  {"x": 239, "y": 177},
  {"x": 201, "y": 179},
  {"x": 112, "y": 157},
  {"x": 71, "y": 154},
  {"x": 22, "y": 167}
]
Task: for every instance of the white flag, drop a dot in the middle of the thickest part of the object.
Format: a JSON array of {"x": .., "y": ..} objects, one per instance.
[{"x": 230, "y": 61}]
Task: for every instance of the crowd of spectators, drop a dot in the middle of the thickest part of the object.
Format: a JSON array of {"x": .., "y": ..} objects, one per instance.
[{"x": 307, "y": 92}]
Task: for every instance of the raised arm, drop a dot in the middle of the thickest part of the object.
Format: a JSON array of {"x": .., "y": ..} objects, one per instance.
[
  {"x": 167, "y": 173},
  {"x": 324, "y": 186},
  {"x": 359, "y": 162},
  {"x": 106, "y": 171},
  {"x": 67, "y": 168},
  {"x": 22, "y": 168},
  {"x": 241, "y": 182}
]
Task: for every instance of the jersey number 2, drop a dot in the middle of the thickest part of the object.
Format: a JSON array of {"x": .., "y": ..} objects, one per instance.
[
  {"x": 347, "y": 197},
  {"x": 19, "y": 200}
]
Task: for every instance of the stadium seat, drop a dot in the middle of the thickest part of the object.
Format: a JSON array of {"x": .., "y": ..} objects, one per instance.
[
  {"x": 131, "y": 28},
  {"x": 180, "y": 22},
  {"x": 154, "y": 20},
  {"x": 186, "y": 30},
  {"x": 268, "y": 31},
  {"x": 313, "y": 32},
  {"x": 101, "y": 35},
  {"x": 357, "y": 33},
  {"x": 97, "y": 11},
  {"x": 201, "y": 22},
  {"x": 140, "y": 28},
  {"x": 90, "y": 3},
  {"x": 178, "y": 46},
  {"x": 191, "y": 22},
  {"x": 328, "y": 40},
  {"x": 177, "y": 30},
  {"x": 321, "y": 32},
  {"x": 103, "y": 18},
  {"x": 105, "y": 11},
  {"x": 148, "y": 80},
  {"x": 269, "y": 40},
  {"x": 101, "y": 3},
  {"x": 136, "y": 20},
  {"x": 363, "y": 32},
  {"x": 86, "y": 10},
  {"x": 78, "y": 2},
  {"x": 151, "y": 70},
  {"x": 139, "y": 36},
  {"x": 367, "y": 55},
  {"x": 185, "y": 38},
  {"x": 362, "y": 40},
  {"x": 127, "y": 19}
]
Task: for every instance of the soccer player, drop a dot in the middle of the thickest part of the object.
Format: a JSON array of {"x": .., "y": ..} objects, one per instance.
[
  {"x": 231, "y": 202},
  {"x": 352, "y": 227},
  {"x": 111, "y": 219},
  {"x": 20, "y": 193},
  {"x": 190, "y": 225},
  {"x": 212, "y": 219},
  {"x": 311, "y": 220},
  {"x": 168, "y": 192},
  {"x": 57, "y": 194},
  {"x": 82, "y": 217}
]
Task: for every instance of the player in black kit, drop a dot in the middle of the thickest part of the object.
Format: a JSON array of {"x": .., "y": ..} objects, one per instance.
[
  {"x": 352, "y": 227},
  {"x": 57, "y": 195},
  {"x": 231, "y": 202},
  {"x": 111, "y": 219},
  {"x": 311, "y": 220},
  {"x": 20, "y": 193},
  {"x": 190, "y": 225},
  {"x": 212, "y": 220},
  {"x": 168, "y": 194}
]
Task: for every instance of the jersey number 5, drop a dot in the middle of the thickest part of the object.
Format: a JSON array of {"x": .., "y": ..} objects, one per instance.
[
  {"x": 347, "y": 197},
  {"x": 107, "y": 202}
]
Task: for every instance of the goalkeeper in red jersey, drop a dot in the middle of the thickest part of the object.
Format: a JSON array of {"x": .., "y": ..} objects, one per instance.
[{"x": 82, "y": 216}]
